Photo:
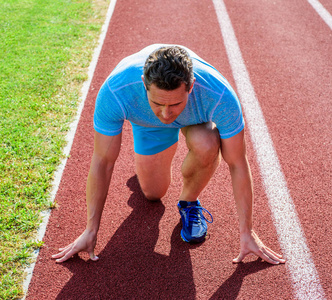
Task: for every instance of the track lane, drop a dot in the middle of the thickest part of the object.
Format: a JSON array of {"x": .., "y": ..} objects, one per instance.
[
  {"x": 327, "y": 4},
  {"x": 295, "y": 95},
  {"x": 206, "y": 270},
  {"x": 322, "y": 12},
  {"x": 291, "y": 236}
]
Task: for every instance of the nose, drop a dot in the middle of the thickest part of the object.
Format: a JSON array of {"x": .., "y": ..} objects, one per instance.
[{"x": 166, "y": 112}]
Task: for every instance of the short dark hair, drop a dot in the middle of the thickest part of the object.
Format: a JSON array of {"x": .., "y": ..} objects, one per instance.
[{"x": 168, "y": 67}]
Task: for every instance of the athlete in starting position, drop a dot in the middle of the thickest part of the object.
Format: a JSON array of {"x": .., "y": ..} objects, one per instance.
[{"x": 160, "y": 90}]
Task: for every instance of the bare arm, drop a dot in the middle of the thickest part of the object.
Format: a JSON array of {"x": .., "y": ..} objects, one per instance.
[
  {"x": 234, "y": 153},
  {"x": 106, "y": 151}
]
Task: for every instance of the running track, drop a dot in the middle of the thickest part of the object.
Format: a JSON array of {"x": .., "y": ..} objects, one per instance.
[{"x": 285, "y": 50}]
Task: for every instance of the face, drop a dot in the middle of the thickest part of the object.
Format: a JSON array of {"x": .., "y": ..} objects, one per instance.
[{"x": 168, "y": 105}]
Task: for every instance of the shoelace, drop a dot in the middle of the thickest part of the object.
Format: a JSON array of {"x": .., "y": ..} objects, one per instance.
[{"x": 193, "y": 216}]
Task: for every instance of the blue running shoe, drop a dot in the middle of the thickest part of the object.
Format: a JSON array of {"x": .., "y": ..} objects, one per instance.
[{"x": 194, "y": 225}]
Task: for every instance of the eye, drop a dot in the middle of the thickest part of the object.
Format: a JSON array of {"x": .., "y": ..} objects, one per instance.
[{"x": 156, "y": 104}]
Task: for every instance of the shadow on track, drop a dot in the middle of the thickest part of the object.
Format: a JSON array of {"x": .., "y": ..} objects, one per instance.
[
  {"x": 230, "y": 289},
  {"x": 128, "y": 267}
]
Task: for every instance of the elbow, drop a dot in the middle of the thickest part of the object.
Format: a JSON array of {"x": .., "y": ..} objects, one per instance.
[{"x": 102, "y": 163}]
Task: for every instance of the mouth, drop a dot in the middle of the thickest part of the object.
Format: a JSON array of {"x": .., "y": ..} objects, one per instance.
[{"x": 166, "y": 121}]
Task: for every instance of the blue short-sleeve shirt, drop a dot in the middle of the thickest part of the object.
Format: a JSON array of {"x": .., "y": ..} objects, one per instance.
[{"x": 123, "y": 97}]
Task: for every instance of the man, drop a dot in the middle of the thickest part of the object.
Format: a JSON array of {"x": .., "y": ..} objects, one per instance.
[{"x": 160, "y": 90}]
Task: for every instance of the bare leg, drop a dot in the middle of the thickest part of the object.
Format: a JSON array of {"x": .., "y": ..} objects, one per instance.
[
  {"x": 154, "y": 172},
  {"x": 203, "y": 158}
]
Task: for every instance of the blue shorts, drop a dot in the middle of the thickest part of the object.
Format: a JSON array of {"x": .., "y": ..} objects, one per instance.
[{"x": 152, "y": 140}]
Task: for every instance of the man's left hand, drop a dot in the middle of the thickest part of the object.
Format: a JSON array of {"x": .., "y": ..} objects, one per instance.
[{"x": 251, "y": 244}]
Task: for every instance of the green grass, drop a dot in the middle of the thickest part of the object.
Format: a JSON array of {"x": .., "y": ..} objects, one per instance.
[{"x": 45, "y": 49}]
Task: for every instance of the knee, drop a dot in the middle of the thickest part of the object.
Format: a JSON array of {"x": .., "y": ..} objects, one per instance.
[
  {"x": 205, "y": 143},
  {"x": 207, "y": 147},
  {"x": 154, "y": 194}
]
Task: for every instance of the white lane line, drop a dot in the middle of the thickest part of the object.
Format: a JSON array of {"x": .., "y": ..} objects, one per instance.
[
  {"x": 322, "y": 11},
  {"x": 69, "y": 139},
  {"x": 303, "y": 273}
]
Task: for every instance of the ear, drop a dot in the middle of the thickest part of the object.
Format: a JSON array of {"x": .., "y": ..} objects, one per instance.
[
  {"x": 192, "y": 85},
  {"x": 142, "y": 77}
]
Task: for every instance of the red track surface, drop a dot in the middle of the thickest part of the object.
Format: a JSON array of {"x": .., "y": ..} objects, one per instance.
[{"x": 287, "y": 49}]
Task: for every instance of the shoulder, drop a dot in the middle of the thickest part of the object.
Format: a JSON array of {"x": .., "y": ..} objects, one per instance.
[{"x": 207, "y": 76}]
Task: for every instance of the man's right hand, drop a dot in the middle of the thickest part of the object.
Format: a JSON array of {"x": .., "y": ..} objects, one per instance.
[{"x": 86, "y": 242}]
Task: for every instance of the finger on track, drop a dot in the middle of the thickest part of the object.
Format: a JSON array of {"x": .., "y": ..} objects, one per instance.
[
  {"x": 273, "y": 255},
  {"x": 60, "y": 254},
  {"x": 266, "y": 258},
  {"x": 65, "y": 248},
  {"x": 66, "y": 256}
]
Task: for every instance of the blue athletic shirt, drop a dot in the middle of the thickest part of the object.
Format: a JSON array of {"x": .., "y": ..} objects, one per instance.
[{"x": 123, "y": 97}]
